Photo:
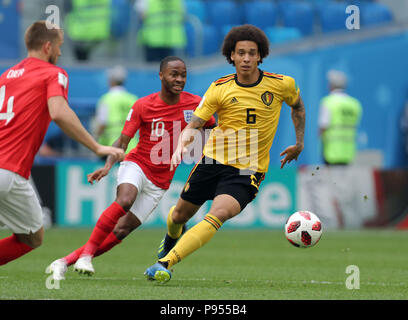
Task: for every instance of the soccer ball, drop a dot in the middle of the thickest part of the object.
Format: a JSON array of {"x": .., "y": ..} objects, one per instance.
[{"x": 303, "y": 229}]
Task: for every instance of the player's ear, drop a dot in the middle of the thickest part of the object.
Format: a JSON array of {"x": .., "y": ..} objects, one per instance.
[
  {"x": 47, "y": 47},
  {"x": 161, "y": 75}
]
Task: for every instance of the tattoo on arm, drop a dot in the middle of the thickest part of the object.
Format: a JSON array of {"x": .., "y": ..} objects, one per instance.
[
  {"x": 299, "y": 119},
  {"x": 196, "y": 122},
  {"x": 187, "y": 135}
]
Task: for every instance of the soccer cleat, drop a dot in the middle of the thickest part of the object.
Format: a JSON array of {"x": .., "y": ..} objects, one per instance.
[
  {"x": 58, "y": 268},
  {"x": 84, "y": 266},
  {"x": 167, "y": 244},
  {"x": 158, "y": 272}
]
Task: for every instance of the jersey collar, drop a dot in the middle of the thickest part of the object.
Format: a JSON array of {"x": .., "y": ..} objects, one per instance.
[{"x": 252, "y": 84}]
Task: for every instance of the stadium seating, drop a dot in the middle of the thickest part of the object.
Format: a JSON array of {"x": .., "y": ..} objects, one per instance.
[
  {"x": 224, "y": 13},
  {"x": 196, "y": 8},
  {"x": 225, "y": 29},
  {"x": 9, "y": 30},
  {"x": 210, "y": 20},
  {"x": 277, "y": 35},
  {"x": 212, "y": 40},
  {"x": 191, "y": 49},
  {"x": 262, "y": 14},
  {"x": 373, "y": 13},
  {"x": 333, "y": 16},
  {"x": 296, "y": 14},
  {"x": 207, "y": 43}
]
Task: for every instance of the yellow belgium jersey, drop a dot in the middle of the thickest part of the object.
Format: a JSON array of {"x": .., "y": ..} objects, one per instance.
[{"x": 248, "y": 117}]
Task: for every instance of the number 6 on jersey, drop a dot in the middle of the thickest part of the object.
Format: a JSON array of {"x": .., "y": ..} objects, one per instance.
[{"x": 251, "y": 117}]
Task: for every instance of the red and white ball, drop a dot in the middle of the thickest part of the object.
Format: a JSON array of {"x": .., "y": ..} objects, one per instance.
[{"x": 303, "y": 229}]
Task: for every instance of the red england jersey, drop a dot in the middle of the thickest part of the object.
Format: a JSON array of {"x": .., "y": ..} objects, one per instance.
[
  {"x": 24, "y": 117},
  {"x": 159, "y": 127}
]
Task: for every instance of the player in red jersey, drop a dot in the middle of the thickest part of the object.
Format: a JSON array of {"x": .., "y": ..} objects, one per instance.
[
  {"x": 32, "y": 93},
  {"x": 144, "y": 175}
]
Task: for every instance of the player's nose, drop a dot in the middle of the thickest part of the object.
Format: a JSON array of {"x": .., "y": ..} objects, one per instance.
[{"x": 180, "y": 78}]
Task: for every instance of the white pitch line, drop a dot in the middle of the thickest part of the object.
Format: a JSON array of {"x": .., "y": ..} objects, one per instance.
[
  {"x": 17, "y": 298},
  {"x": 318, "y": 282},
  {"x": 400, "y": 284},
  {"x": 8, "y": 298}
]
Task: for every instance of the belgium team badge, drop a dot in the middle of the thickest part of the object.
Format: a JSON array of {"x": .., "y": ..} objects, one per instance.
[{"x": 267, "y": 98}]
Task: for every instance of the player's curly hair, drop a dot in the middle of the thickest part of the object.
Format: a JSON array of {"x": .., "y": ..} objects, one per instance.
[{"x": 242, "y": 33}]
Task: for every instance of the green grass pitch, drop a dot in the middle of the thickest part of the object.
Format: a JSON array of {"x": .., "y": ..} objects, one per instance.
[{"x": 235, "y": 264}]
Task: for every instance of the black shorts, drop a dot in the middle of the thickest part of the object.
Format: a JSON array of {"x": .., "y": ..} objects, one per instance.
[{"x": 209, "y": 179}]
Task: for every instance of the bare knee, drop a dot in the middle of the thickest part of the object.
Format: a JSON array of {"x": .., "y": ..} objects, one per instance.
[
  {"x": 126, "y": 196},
  {"x": 225, "y": 207},
  {"x": 36, "y": 243},
  {"x": 222, "y": 214},
  {"x": 182, "y": 215},
  {"x": 33, "y": 240},
  {"x": 178, "y": 217},
  {"x": 125, "y": 201},
  {"x": 36, "y": 240}
]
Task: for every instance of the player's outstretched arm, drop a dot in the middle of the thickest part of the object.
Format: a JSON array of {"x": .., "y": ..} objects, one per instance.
[
  {"x": 69, "y": 122},
  {"x": 299, "y": 119},
  {"x": 186, "y": 137},
  {"x": 122, "y": 143}
]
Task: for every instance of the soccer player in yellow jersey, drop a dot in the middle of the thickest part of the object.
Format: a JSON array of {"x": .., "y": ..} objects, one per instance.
[{"x": 236, "y": 155}]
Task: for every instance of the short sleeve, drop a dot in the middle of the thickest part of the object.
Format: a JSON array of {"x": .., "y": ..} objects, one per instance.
[
  {"x": 133, "y": 120},
  {"x": 208, "y": 104},
  {"x": 292, "y": 91},
  {"x": 57, "y": 84}
]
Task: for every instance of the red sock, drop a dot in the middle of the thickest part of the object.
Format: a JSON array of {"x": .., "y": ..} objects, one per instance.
[
  {"x": 11, "y": 249},
  {"x": 106, "y": 245},
  {"x": 73, "y": 256},
  {"x": 103, "y": 227}
]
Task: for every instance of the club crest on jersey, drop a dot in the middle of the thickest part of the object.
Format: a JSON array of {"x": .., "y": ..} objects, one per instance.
[
  {"x": 187, "y": 115},
  {"x": 267, "y": 98}
]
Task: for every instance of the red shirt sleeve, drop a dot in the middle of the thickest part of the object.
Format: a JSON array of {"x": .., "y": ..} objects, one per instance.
[
  {"x": 57, "y": 84},
  {"x": 210, "y": 123},
  {"x": 133, "y": 120}
]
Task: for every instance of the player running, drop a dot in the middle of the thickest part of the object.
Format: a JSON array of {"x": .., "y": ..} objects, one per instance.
[
  {"x": 236, "y": 155},
  {"x": 144, "y": 175},
  {"x": 32, "y": 93}
]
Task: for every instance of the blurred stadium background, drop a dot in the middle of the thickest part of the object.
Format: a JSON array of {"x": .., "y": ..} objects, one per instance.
[{"x": 308, "y": 37}]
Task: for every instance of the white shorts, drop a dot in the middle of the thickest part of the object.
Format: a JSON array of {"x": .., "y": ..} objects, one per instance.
[
  {"x": 148, "y": 195},
  {"x": 20, "y": 208}
]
